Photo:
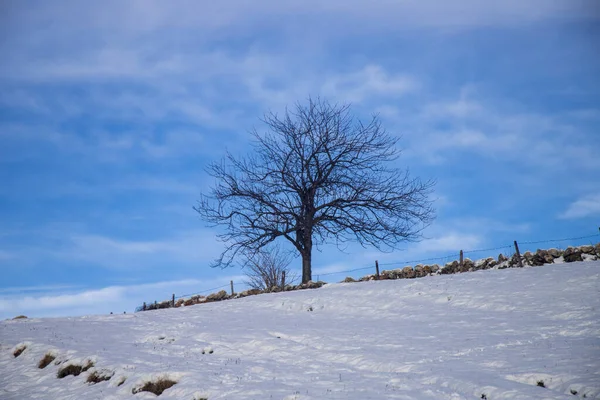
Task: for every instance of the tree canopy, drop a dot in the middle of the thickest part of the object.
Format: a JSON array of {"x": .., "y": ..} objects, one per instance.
[{"x": 318, "y": 175}]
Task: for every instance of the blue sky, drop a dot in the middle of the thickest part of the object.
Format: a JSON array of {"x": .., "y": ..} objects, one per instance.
[{"x": 109, "y": 111}]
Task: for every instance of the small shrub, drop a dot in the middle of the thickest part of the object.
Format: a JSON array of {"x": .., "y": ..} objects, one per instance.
[
  {"x": 19, "y": 350},
  {"x": 99, "y": 376},
  {"x": 44, "y": 362},
  {"x": 483, "y": 397},
  {"x": 73, "y": 369},
  {"x": 540, "y": 383},
  {"x": 20, "y": 317},
  {"x": 157, "y": 387},
  {"x": 573, "y": 392}
]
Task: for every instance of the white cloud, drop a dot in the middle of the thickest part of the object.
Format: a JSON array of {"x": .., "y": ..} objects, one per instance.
[
  {"x": 583, "y": 207},
  {"x": 5, "y": 255},
  {"x": 103, "y": 300},
  {"x": 463, "y": 107},
  {"x": 495, "y": 130},
  {"x": 449, "y": 242},
  {"x": 187, "y": 248},
  {"x": 42, "y": 288},
  {"x": 372, "y": 80},
  {"x": 139, "y": 18}
]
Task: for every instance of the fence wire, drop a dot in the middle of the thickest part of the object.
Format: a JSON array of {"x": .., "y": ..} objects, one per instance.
[
  {"x": 561, "y": 240},
  {"x": 202, "y": 292}
]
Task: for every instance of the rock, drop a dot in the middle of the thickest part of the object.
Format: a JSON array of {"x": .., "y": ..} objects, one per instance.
[
  {"x": 555, "y": 253},
  {"x": 249, "y": 292},
  {"x": 527, "y": 258},
  {"x": 189, "y": 302},
  {"x": 164, "y": 304},
  {"x": 20, "y": 317},
  {"x": 541, "y": 257},
  {"x": 587, "y": 249},
  {"x": 427, "y": 269},
  {"x": 490, "y": 262},
  {"x": 408, "y": 272},
  {"x": 572, "y": 254},
  {"x": 384, "y": 276},
  {"x": 514, "y": 261},
  {"x": 388, "y": 275},
  {"x": 395, "y": 274},
  {"x": 435, "y": 268},
  {"x": 420, "y": 271},
  {"x": 349, "y": 279},
  {"x": 275, "y": 289},
  {"x": 597, "y": 247},
  {"x": 485, "y": 263},
  {"x": 311, "y": 285},
  {"x": 450, "y": 268},
  {"x": 221, "y": 295},
  {"x": 467, "y": 265}
]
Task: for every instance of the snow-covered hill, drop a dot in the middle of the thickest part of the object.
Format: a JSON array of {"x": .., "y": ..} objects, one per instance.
[{"x": 494, "y": 334}]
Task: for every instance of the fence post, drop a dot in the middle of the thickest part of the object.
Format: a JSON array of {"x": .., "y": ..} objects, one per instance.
[
  {"x": 518, "y": 255},
  {"x": 144, "y": 307},
  {"x": 461, "y": 258},
  {"x": 231, "y": 282},
  {"x": 377, "y": 269},
  {"x": 173, "y": 302},
  {"x": 282, "y": 281}
]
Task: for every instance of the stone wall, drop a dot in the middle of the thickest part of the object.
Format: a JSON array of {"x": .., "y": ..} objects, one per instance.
[{"x": 529, "y": 259}]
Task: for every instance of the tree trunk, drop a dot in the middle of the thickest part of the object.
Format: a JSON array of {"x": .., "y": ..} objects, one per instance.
[{"x": 306, "y": 265}]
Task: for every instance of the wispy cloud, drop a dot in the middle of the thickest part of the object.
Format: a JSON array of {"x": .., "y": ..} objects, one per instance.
[
  {"x": 102, "y": 300},
  {"x": 5, "y": 255},
  {"x": 452, "y": 241},
  {"x": 584, "y": 207},
  {"x": 372, "y": 80},
  {"x": 36, "y": 289},
  {"x": 495, "y": 132},
  {"x": 199, "y": 247}
]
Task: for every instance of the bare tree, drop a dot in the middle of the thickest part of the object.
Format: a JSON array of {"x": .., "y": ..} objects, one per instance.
[
  {"x": 318, "y": 176},
  {"x": 269, "y": 268}
]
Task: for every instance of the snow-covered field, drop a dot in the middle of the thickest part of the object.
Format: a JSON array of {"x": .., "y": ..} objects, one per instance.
[{"x": 489, "y": 334}]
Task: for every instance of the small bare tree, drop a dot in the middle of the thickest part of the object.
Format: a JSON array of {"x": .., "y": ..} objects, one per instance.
[
  {"x": 269, "y": 268},
  {"x": 318, "y": 176}
]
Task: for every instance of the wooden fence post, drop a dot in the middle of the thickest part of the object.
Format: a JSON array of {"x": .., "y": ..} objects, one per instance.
[
  {"x": 282, "y": 281},
  {"x": 144, "y": 307},
  {"x": 518, "y": 255},
  {"x": 231, "y": 282},
  {"x": 173, "y": 302},
  {"x": 377, "y": 269},
  {"x": 461, "y": 258}
]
